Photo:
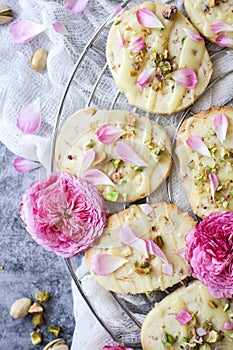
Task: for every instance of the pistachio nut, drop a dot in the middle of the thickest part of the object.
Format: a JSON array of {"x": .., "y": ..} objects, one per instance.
[
  {"x": 36, "y": 338},
  {"x": 58, "y": 344},
  {"x": 38, "y": 60},
  {"x": 5, "y": 14},
  {"x": 34, "y": 308},
  {"x": 42, "y": 297},
  {"x": 20, "y": 307}
]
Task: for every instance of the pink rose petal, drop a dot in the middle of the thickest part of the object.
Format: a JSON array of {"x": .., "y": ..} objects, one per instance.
[
  {"x": 107, "y": 134},
  {"x": 23, "y": 165},
  {"x": 104, "y": 264},
  {"x": 154, "y": 249},
  {"x": 185, "y": 77},
  {"x": 167, "y": 269},
  {"x": 183, "y": 316},
  {"x": 228, "y": 326},
  {"x": 181, "y": 252},
  {"x": 128, "y": 155},
  {"x": 219, "y": 26},
  {"x": 75, "y": 6},
  {"x": 192, "y": 35},
  {"x": 148, "y": 19},
  {"x": 213, "y": 184},
  {"x": 87, "y": 159},
  {"x": 23, "y": 30},
  {"x": 201, "y": 331},
  {"x": 115, "y": 347},
  {"x": 220, "y": 125},
  {"x": 122, "y": 41},
  {"x": 97, "y": 177},
  {"x": 137, "y": 44},
  {"x": 129, "y": 238},
  {"x": 29, "y": 118},
  {"x": 118, "y": 11},
  {"x": 146, "y": 208},
  {"x": 197, "y": 145},
  {"x": 224, "y": 40},
  {"x": 146, "y": 77},
  {"x": 60, "y": 28}
]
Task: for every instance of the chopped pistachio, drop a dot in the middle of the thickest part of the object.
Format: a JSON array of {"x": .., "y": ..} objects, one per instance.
[
  {"x": 55, "y": 330},
  {"x": 139, "y": 168},
  {"x": 167, "y": 339},
  {"x": 38, "y": 319},
  {"x": 229, "y": 334},
  {"x": 148, "y": 294},
  {"x": 35, "y": 307},
  {"x": 112, "y": 196},
  {"x": 205, "y": 347},
  {"x": 116, "y": 163},
  {"x": 191, "y": 164},
  {"x": 225, "y": 204},
  {"x": 90, "y": 144},
  {"x": 142, "y": 268},
  {"x": 212, "y": 304},
  {"x": 133, "y": 73},
  {"x": 36, "y": 338},
  {"x": 42, "y": 297}
]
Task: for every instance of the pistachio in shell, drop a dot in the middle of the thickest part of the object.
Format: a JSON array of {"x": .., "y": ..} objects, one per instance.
[
  {"x": 57, "y": 344},
  {"x": 5, "y": 14},
  {"x": 20, "y": 307},
  {"x": 38, "y": 60}
]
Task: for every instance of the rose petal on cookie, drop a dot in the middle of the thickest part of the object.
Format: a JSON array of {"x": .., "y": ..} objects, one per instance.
[
  {"x": 107, "y": 134},
  {"x": 167, "y": 269},
  {"x": 213, "y": 184},
  {"x": 60, "y": 28},
  {"x": 185, "y": 77},
  {"x": 201, "y": 331},
  {"x": 23, "y": 165},
  {"x": 219, "y": 26},
  {"x": 128, "y": 155},
  {"x": 154, "y": 249},
  {"x": 87, "y": 159},
  {"x": 104, "y": 264},
  {"x": 24, "y": 30},
  {"x": 122, "y": 41},
  {"x": 224, "y": 40},
  {"x": 29, "y": 118},
  {"x": 146, "y": 77},
  {"x": 137, "y": 44},
  {"x": 146, "y": 208},
  {"x": 181, "y": 252},
  {"x": 129, "y": 238},
  {"x": 197, "y": 145},
  {"x": 192, "y": 35},
  {"x": 75, "y": 6},
  {"x": 220, "y": 125},
  {"x": 228, "y": 326},
  {"x": 97, "y": 177},
  {"x": 183, "y": 316},
  {"x": 148, "y": 19}
]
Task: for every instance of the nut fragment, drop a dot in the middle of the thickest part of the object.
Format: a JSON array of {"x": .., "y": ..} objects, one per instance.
[
  {"x": 38, "y": 60},
  {"x": 35, "y": 307},
  {"x": 5, "y": 14},
  {"x": 36, "y": 338},
  {"x": 55, "y": 330},
  {"x": 38, "y": 319},
  {"x": 58, "y": 344},
  {"x": 20, "y": 307},
  {"x": 42, "y": 297},
  {"x": 169, "y": 12}
]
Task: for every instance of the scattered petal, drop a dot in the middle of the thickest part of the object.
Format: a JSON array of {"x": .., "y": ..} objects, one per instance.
[
  {"x": 137, "y": 44},
  {"x": 129, "y": 238},
  {"x": 128, "y": 155},
  {"x": 60, "y": 28},
  {"x": 224, "y": 40},
  {"x": 220, "y": 125},
  {"x": 122, "y": 41},
  {"x": 185, "y": 77},
  {"x": 167, "y": 269},
  {"x": 146, "y": 77},
  {"x": 181, "y": 252},
  {"x": 228, "y": 326},
  {"x": 213, "y": 184},
  {"x": 148, "y": 19},
  {"x": 183, "y": 316},
  {"x": 97, "y": 177},
  {"x": 23, "y": 165},
  {"x": 107, "y": 134},
  {"x": 29, "y": 118},
  {"x": 104, "y": 264},
  {"x": 219, "y": 26},
  {"x": 192, "y": 35},
  {"x": 118, "y": 11},
  {"x": 197, "y": 145},
  {"x": 23, "y": 30},
  {"x": 115, "y": 347},
  {"x": 75, "y": 6},
  {"x": 201, "y": 331},
  {"x": 146, "y": 208},
  {"x": 87, "y": 159},
  {"x": 154, "y": 249}
]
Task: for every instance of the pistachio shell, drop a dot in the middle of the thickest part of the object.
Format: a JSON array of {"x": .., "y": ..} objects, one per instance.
[
  {"x": 20, "y": 307},
  {"x": 56, "y": 344},
  {"x": 5, "y": 14},
  {"x": 38, "y": 60}
]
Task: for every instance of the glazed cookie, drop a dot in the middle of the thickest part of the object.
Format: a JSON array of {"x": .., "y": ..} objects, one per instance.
[
  {"x": 157, "y": 58},
  {"x": 128, "y": 239},
  {"x": 188, "y": 318},
  {"x": 204, "y": 149},
  {"x": 127, "y": 156},
  {"x": 213, "y": 18}
]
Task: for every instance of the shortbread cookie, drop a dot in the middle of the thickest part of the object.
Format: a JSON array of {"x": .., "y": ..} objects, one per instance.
[
  {"x": 145, "y": 75},
  {"x": 131, "y": 151},
  {"x": 203, "y": 316},
  {"x": 142, "y": 271},
  {"x": 207, "y": 16},
  {"x": 207, "y": 177}
]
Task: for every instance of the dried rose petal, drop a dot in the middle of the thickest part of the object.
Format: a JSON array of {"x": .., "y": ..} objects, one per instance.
[
  {"x": 107, "y": 134},
  {"x": 97, "y": 177},
  {"x": 228, "y": 326},
  {"x": 185, "y": 77},
  {"x": 219, "y": 26},
  {"x": 192, "y": 35},
  {"x": 146, "y": 208},
  {"x": 29, "y": 118},
  {"x": 183, "y": 316},
  {"x": 213, "y": 184},
  {"x": 23, "y": 30},
  {"x": 115, "y": 347},
  {"x": 104, "y": 264},
  {"x": 148, "y": 19},
  {"x": 87, "y": 159},
  {"x": 23, "y": 165},
  {"x": 167, "y": 269},
  {"x": 60, "y": 28},
  {"x": 224, "y": 40},
  {"x": 154, "y": 249},
  {"x": 128, "y": 155},
  {"x": 137, "y": 44},
  {"x": 220, "y": 125},
  {"x": 146, "y": 77},
  {"x": 181, "y": 252},
  {"x": 201, "y": 331},
  {"x": 75, "y": 6},
  {"x": 197, "y": 145},
  {"x": 129, "y": 238},
  {"x": 122, "y": 41}
]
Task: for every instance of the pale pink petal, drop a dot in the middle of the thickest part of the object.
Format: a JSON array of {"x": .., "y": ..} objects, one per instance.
[
  {"x": 181, "y": 252},
  {"x": 167, "y": 269},
  {"x": 148, "y": 19},
  {"x": 128, "y": 155},
  {"x": 146, "y": 77},
  {"x": 23, "y": 30},
  {"x": 97, "y": 177},
  {"x": 213, "y": 184},
  {"x": 104, "y": 264},
  {"x": 219, "y": 26},
  {"x": 183, "y": 316},
  {"x": 228, "y": 326},
  {"x": 118, "y": 11},
  {"x": 185, "y": 77},
  {"x": 60, "y": 28},
  {"x": 129, "y": 238},
  {"x": 23, "y": 165},
  {"x": 29, "y": 118},
  {"x": 107, "y": 134},
  {"x": 154, "y": 249},
  {"x": 87, "y": 159},
  {"x": 115, "y": 347},
  {"x": 146, "y": 208},
  {"x": 224, "y": 40},
  {"x": 137, "y": 44},
  {"x": 220, "y": 125},
  {"x": 192, "y": 35},
  {"x": 122, "y": 41},
  {"x": 197, "y": 145},
  {"x": 75, "y": 6},
  {"x": 201, "y": 331}
]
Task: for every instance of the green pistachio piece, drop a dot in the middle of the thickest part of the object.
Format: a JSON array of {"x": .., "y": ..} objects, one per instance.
[
  {"x": 205, "y": 347},
  {"x": 38, "y": 319},
  {"x": 167, "y": 339},
  {"x": 90, "y": 144},
  {"x": 55, "y": 330},
  {"x": 112, "y": 196},
  {"x": 116, "y": 163},
  {"x": 36, "y": 338},
  {"x": 42, "y": 297}
]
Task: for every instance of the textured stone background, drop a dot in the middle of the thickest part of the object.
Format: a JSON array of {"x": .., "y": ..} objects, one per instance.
[{"x": 28, "y": 268}]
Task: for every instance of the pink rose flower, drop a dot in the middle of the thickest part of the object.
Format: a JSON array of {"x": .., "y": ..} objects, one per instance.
[
  {"x": 64, "y": 214},
  {"x": 210, "y": 253}
]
